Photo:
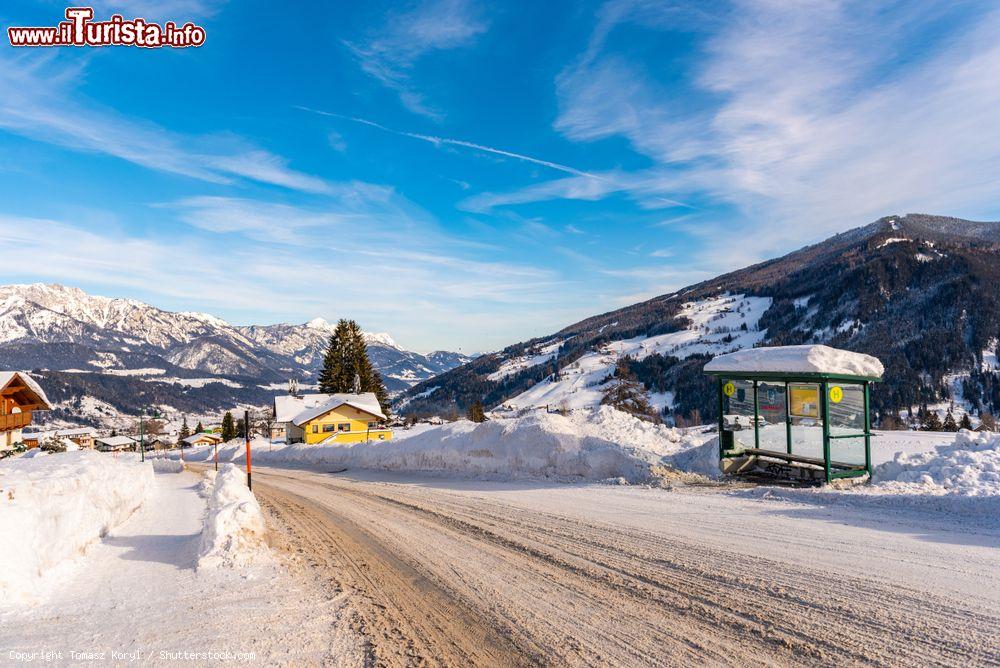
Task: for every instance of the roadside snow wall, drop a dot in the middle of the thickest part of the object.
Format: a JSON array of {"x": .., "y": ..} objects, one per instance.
[
  {"x": 53, "y": 507},
  {"x": 234, "y": 534},
  {"x": 589, "y": 445}
]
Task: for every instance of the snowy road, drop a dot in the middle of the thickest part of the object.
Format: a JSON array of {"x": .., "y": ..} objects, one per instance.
[{"x": 466, "y": 573}]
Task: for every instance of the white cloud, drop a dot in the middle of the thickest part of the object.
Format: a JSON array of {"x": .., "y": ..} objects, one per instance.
[
  {"x": 434, "y": 25},
  {"x": 37, "y": 100},
  {"x": 803, "y": 118},
  {"x": 441, "y": 298}
]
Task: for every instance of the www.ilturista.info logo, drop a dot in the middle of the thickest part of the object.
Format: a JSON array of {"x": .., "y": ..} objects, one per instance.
[{"x": 79, "y": 29}]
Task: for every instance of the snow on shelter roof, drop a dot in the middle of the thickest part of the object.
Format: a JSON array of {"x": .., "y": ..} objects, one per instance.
[
  {"x": 7, "y": 376},
  {"x": 808, "y": 359},
  {"x": 366, "y": 401}
]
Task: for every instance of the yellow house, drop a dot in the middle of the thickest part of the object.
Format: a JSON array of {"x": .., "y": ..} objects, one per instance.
[{"x": 333, "y": 418}]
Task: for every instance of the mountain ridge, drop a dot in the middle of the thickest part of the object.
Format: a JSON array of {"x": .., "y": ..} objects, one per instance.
[
  {"x": 920, "y": 291},
  {"x": 76, "y": 337}
]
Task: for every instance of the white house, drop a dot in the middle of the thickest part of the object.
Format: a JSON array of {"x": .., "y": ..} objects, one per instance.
[{"x": 114, "y": 443}]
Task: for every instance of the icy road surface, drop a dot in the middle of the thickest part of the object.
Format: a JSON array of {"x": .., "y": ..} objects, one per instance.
[{"x": 478, "y": 573}]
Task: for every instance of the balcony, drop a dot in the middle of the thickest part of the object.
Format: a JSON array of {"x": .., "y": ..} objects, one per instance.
[{"x": 15, "y": 421}]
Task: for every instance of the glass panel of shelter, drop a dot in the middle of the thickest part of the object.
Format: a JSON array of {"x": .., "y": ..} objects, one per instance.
[
  {"x": 847, "y": 422},
  {"x": 771, "y": 405},
  {"x": 806, "y": 424},
  {"x": 737, "y": 412}
]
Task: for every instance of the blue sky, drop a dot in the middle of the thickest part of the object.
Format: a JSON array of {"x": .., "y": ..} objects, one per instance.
[{"x": 465, "y": 175}]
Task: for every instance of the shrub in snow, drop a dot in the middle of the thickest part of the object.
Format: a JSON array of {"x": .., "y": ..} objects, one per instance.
[
  {"x": 234, "y": 534},
  {"x": 53, "y": 507}
]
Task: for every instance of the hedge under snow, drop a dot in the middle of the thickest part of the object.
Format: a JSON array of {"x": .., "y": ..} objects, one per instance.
[{"x": 52, "y": 507}]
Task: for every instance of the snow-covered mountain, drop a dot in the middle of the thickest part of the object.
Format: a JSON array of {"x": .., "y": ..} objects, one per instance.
[
  {"x": 920, "y": 292},
  {"x": 64, "y": 329}
]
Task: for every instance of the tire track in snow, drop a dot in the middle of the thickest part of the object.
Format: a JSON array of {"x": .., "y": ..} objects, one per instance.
[{"x": 581, "y": 593}]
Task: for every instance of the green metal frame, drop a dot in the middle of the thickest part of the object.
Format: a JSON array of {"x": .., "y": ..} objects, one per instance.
[{"x": 823, "y": 380}]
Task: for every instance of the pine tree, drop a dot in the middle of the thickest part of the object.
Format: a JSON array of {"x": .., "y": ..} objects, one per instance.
[
  {"x": 184, "y": 432},
  {"x": 931, "y": 422},
  {"x": 199, "y": 428},
  {"x": 346, "y": 359},
  {"x": 965, "y": 422},
  {"x": 241, "y": 428},
  {"x": 476, "y": 413},
  {"x": 949, "y": 422},
  {"x": 228, "y": 427},
  {"x": 114, "y": 432}
]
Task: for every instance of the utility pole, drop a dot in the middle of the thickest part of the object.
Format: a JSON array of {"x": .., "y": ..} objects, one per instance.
[
  {"x": 246, "y": 432},
  {"x": 142, "y": 445}
]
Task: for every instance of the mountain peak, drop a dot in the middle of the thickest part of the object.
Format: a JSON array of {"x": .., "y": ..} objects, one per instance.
[
  {"x": 319, "y": 323},
  {"x": 381, "y": 338}
]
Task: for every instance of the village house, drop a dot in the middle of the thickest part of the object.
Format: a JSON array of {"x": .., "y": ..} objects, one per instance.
[
  {"x": 82, "y": 436},
  {"x": 201, "y": 438},
  {"x": 20, "y": 395},
  {"x": 329, "y": 418},
  {"x": 114, "y": 443}
]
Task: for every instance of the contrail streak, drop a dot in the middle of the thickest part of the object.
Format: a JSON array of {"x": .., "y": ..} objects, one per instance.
[{"x": 438, "y": 141}]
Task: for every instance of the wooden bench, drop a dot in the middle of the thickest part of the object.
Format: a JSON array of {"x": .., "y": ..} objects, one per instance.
[{"x": 800, "y": 459}]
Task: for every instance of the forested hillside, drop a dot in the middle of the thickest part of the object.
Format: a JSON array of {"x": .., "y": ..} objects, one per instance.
[{"x": 920, "y": 292}]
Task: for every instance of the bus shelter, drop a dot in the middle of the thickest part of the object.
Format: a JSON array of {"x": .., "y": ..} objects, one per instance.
[{"x": 796, "y": 411}]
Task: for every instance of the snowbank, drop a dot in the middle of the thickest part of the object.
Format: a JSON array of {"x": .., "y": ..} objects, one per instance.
[
  {"x": 960, "y": 478},
  {"x": 583, "y": 445},
  {"x": 53, "y": 507},
  {"x": 234, "y": 534},
  {"x": 967, "y": 469},
  {"x": 167, "y": 465}
]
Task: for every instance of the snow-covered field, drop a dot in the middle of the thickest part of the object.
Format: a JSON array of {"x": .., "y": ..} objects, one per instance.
[{"x": 52, "y": 507}]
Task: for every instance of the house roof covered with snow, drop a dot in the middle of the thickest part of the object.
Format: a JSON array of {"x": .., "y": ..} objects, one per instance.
[
  {"x": 76, "y": 431},
  {"x": 366, "y": 402},
  {"x": 114, "y": 441},
  {"x": 810, "y": 360},
  {"x": 9, "y": 378},
  {"x": 202, "y": 436},
  {"x": 287, "y": 406}
]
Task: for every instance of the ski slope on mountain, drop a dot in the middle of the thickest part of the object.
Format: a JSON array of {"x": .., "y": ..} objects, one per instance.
[{"x": 717, "y": 325}]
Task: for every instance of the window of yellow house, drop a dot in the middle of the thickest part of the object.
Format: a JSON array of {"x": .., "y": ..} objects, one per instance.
[
  {"x": 315, "y": 428},
  {"x": 344, "y": 426},
  {"x": 327, "y": 428},
  {"x": 373, "y": 425}
]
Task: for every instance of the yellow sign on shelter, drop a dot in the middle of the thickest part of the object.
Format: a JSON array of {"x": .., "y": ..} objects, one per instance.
[{"x": 804, "y": 401}]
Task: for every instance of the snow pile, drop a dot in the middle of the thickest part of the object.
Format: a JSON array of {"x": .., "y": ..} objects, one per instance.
[
  {"x": 590, "y": 445},
  {"x": 161, "y": 465},
  {"x": 207, "y": 485},
  {"x": 969, "y": 467},
  {"x": 702, "y": 458},
  {"x": 53, "y": 507},
  {"x": 234, "y": 534}
]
